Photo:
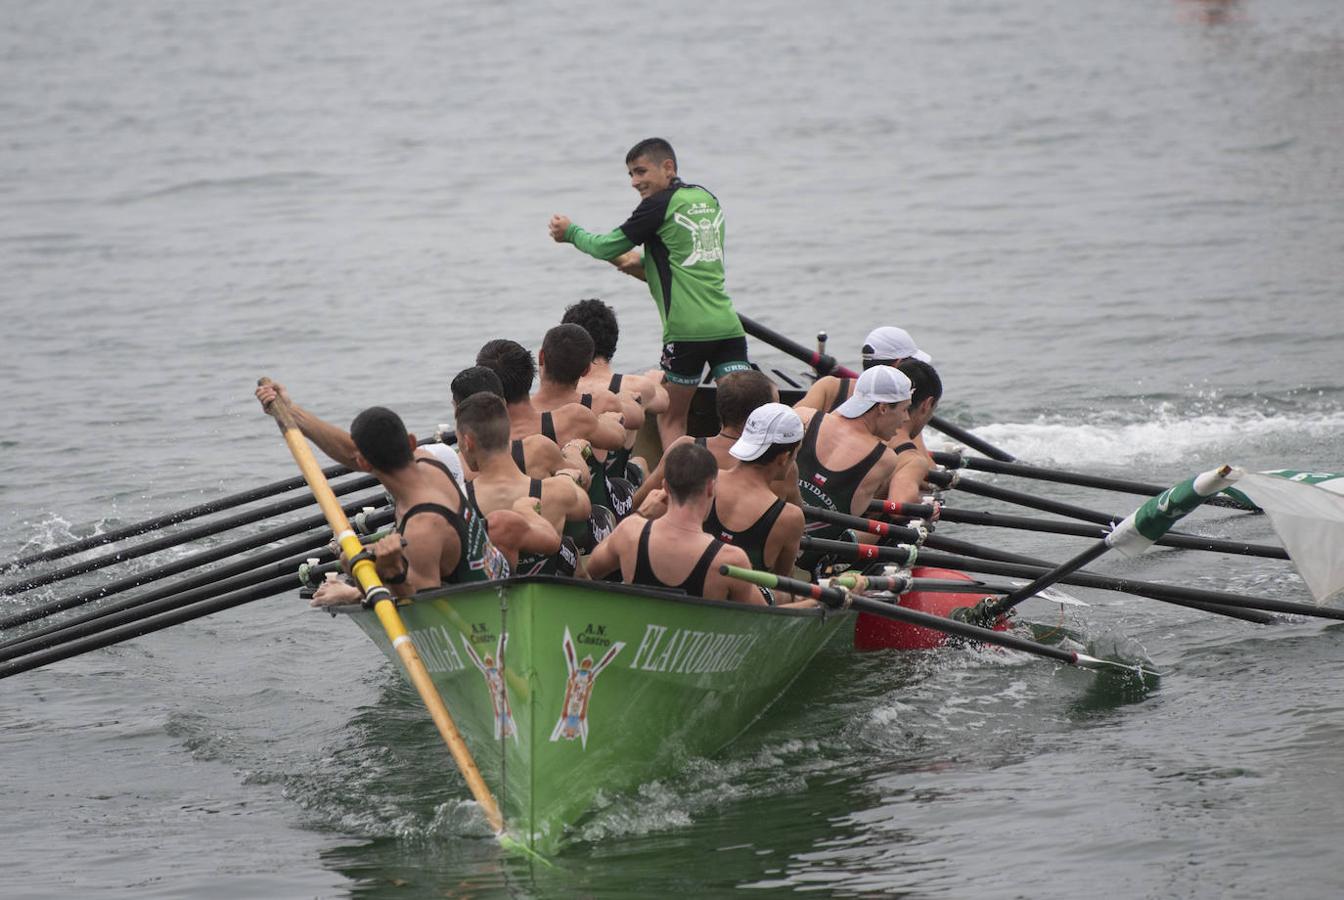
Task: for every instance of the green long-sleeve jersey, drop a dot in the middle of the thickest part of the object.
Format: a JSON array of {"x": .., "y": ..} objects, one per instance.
[{"x": 681, "y": 230}]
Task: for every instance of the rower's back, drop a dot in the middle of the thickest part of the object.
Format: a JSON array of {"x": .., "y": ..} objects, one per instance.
[
  {"x": 844, "y": 462},
  {"x": 674, "y": 552},
  {"x": 746, "y": 511}
]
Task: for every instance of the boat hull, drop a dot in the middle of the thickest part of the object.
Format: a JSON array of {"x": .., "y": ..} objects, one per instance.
[
  {"x": 562, "y": 689},
  {"x": 877, "y": 633}
]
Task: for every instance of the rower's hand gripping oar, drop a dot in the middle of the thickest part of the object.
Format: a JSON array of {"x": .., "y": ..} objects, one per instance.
[
  {"x": 840, "y": 598},
  {"x": 384, "y": 606}
]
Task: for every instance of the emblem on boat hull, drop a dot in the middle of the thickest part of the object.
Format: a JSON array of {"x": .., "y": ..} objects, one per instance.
[
  {"x": 578, "y": 689},
  {"x": 494, "y": 680}
]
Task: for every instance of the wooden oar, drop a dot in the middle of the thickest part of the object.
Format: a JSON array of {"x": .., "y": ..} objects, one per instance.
[
  {"x": 1060, "y": 476},
  {"x": 385, "y": 608},
  {"x": 836, "y": 598}
]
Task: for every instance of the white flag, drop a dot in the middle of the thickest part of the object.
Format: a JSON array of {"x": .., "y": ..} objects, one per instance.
[{"x": 1307, "y": 511}]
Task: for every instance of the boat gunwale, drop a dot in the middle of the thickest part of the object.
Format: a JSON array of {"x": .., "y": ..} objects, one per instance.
[{"x": 449, "y": 591}]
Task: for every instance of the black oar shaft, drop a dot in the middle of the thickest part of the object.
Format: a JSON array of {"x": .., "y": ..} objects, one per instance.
[
  {"x": 182, "y": 537},
  {"x": 1046, "y": 579},
  {"x": 182, "y": 565},
  {"x": 102, "y": 619},
  {"x": 1076, "y": 529},
  {"x": 272, "y": 563},
  {"x": 131, "y": 624},
  {"x": 182, "y": 515},
  {"x": 1215, "y": 601},
  {"x": 871, "y": 526},
  {"x": 1060, "y": 476},
  {"x": 998, "y": 563},
  {"x": 820, "y": 362},
  {"x": 994, "y": 492},
  {"x": 956, "y": 432}
]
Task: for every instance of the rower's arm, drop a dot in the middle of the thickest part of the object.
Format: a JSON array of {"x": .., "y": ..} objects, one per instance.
[
  {"x": 608, "y": 433},
  {"x": 654, "y": 396},
  {"x": 607, "y": 246},
  {"x": 425, "y": 554},
  {"x": 907, "y": 482},
  {"x": 331, "y": 440},
  {"x": 820, "y": 395},
  {"x": 606, "y": 556}
]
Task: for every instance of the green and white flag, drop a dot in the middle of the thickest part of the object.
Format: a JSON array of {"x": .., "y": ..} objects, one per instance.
[
  {"x": 1152, "y": 520},
  {"x": 1307, "y": 511}
]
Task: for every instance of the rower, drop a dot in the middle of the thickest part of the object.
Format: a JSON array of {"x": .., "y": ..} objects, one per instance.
[
  {"x": 536, "y": 455},
  {"x": 566, "y": 356},
  {"x": 746, "y": 511},
  {"x": 445, "y": 540},
  {"x": 884, "y": 346},
  {"x": 912, "y": 462},
  {"x": 844, "y": 461},
  {"x": 599, "y": 320},
  {"x": 687, "y": 558},
  {"x": 483, "y": 438},
  {"x": 737, "y": 396},
  {"x": 517, "y": 371}
]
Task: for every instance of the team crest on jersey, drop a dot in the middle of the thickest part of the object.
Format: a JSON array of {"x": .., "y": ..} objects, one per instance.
[
  {"x": 579, "y": 689},
  {"x": 819, "y": 479},
  {"x": 706, "y": 238},
  {"x": 494, "y": 680}
]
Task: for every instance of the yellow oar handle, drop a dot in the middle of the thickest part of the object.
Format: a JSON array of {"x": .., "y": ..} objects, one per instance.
[{"x": 384, "y": 607}]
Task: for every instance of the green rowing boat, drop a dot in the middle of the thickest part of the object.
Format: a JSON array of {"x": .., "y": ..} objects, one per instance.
[{"x": 564, "y": 688}]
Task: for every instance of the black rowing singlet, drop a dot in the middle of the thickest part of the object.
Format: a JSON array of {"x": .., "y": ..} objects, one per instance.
[
  {"x": 841, "y": 394},
  {"x": 693, "y": 584},
  {"x": 752, "y": 538}
]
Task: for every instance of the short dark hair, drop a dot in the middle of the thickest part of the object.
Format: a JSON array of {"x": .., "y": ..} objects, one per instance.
[
  {"x": 484, "y": 416},
  {"x": 924, "y": 380},
  {"x": 475, "y": 380},
  {"x": 382, "y": 439},
  {"x": 687, "y": 468},
  {"x": 739, "y": 394},
  {"x": 569, "y": 352},
  {"x": 773, "y": 452},
  {"x": 599, "y": 320},
  {"x": 656, "y": 149},
  {"x": 513, "y": 364}
]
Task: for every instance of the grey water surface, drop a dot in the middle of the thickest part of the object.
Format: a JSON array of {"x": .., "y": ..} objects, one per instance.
[{"x": 1118, "y": 228}]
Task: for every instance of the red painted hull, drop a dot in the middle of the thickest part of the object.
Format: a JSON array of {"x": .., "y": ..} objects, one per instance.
[{"x": 876, "y": 633}]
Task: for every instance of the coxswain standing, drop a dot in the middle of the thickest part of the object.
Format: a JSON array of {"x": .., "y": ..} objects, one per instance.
[{"x": 681, "y": 229}]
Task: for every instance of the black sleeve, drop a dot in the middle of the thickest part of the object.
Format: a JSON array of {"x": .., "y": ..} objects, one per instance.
[{"x": 647, "y": 218}]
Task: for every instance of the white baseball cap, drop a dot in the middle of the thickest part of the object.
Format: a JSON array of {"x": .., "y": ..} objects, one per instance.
[
  {"x": 880, "y": 384},
  {"x": 773, "y": 423},
  {"x": 890, "y": 342}
]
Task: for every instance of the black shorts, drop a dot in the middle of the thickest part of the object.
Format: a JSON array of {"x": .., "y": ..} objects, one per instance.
[{"x": 684, "y": 362}]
